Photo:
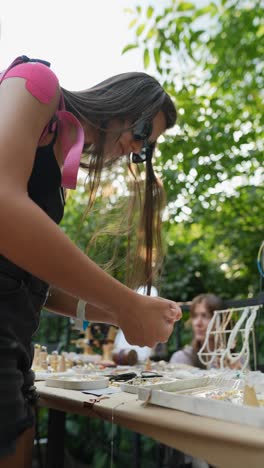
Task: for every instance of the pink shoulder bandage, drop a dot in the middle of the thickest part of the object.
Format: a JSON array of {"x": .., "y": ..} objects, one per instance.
[{"x": 41, "y": 82}]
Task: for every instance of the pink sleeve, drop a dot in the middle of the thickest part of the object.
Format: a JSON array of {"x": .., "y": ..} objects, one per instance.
[{"x": 41, "y": 82}]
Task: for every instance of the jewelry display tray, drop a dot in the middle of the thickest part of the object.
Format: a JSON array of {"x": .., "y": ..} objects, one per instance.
[
  {"x": 132, "y": 388},
  {"x": 179, "y": 395}
]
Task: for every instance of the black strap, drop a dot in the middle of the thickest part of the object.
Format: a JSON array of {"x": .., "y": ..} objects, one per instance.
[{"x": 25, "y": 59}]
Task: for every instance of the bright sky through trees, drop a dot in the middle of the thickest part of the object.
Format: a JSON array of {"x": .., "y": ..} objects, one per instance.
[{"x": 82, "y": 39}]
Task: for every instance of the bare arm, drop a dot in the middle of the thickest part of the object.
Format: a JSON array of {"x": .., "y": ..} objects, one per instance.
[
  {"x": 62, "y": 303},
  {"x": 29, "y": 238}
]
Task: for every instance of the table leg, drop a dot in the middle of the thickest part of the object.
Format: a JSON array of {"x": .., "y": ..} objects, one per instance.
[
  {"x": 136, "y": 451},
  {"x": 55, "y": 449}
]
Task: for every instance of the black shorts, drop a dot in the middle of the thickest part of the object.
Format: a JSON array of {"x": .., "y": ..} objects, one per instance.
[{"x": 21, "y": 298}]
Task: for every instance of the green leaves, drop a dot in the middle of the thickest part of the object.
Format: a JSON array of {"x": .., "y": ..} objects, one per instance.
[
  {"x": 129, "y": 47},
  {"x": 140, "y": 29},
  {"x": 210, "y": 9},
  {"x": 185, "y": 6},
  {"x": 157, "y": 56},
  {"x": 146, "y": 58},
  {"x": 209, "y": 59},
  {"x": 150, "y": 11}
]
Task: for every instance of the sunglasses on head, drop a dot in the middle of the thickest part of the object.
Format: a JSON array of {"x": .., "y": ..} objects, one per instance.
[{"x": 141, "y": 132}]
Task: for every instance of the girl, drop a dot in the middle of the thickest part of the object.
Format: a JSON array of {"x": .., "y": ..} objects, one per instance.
[
  {"x": 44, "y": 129},
  {"x": 201, "y": 311}
]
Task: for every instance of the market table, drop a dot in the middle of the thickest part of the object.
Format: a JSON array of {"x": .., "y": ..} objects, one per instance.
[{"x": 220, "y": 443}]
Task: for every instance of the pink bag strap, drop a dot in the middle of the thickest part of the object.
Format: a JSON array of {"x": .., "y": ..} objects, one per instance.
[{"x": 71, "y": 151}]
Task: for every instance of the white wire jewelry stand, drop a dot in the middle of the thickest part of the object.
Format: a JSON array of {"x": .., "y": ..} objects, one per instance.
[{"x": 222, "y": 337}]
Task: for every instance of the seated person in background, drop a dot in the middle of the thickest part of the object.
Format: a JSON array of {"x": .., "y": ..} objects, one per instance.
[{"x": 201, "y": 312}]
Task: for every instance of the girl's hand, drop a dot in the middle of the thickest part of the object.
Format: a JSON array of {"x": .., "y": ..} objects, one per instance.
[{"x": 149, "y": 320}]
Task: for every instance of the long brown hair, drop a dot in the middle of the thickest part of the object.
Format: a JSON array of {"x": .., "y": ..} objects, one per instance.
[{"x": 132, "y": 97}]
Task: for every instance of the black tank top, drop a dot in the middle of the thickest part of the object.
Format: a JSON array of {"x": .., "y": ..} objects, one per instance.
[
  {"x": 44, "y": 188},
  {"x": 44, "y": 185}
]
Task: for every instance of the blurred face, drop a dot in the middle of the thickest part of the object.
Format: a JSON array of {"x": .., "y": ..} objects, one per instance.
[
  {"x": 120, "y": 143},
  {"x": 200, "y": 320}
]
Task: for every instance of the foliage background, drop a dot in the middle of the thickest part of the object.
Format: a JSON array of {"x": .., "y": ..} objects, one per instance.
[{"x": 209, "y": 57}]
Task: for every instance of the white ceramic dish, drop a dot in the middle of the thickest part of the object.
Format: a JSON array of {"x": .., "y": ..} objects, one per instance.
[
  {"x": 44, "y": 375},
  {"x": 78, "y": 382}
]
